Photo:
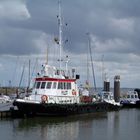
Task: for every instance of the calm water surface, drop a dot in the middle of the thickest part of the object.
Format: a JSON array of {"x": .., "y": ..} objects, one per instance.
[{"x": 120, "y": 125}]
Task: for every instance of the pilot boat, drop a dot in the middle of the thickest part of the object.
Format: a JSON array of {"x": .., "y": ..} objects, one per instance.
[{"x": 56, "y": 93}]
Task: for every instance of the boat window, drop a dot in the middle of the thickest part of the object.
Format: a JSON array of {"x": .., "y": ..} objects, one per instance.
[
  {"x": 35, "y": 83},
  {"x": 59, "y": 85},
  {"x": 43, "y": 85},
  {"x": 136, "y": 96},
  {"x": 132, "y": 96},
  {"x": 49, "y": 85},
  {"x": 106, "y": 95},
  {"x": 62, "y": 85},
  {"x": 128, "y": 96},
  {"x": 68, "y": 85},
  {"x": 38, "y": 85},
  {"x": 54, "y": 85},
  {"x": 65, "y": 87}
]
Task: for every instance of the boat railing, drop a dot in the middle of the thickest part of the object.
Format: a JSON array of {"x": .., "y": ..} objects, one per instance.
[{"x": 53, "y": 72}]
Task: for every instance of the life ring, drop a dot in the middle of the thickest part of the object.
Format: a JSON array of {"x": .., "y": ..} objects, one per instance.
[
  {"x": 73, "y": 92},
  {"x": 44, "y": 98}
]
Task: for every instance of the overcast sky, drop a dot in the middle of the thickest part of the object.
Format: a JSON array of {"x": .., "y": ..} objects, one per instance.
[{"x": 28, "y": 28}]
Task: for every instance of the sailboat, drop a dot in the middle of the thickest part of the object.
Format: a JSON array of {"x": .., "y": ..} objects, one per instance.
[{"x": 56, "y": 93}]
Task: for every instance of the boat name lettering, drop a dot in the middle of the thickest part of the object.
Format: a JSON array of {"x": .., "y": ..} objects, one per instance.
[
  {"x": 64, "y": 92},
  {"x": 65, "y": 101}
]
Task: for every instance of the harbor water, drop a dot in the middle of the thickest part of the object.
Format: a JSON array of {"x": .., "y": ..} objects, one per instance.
[{"x": 116, "y": 125}]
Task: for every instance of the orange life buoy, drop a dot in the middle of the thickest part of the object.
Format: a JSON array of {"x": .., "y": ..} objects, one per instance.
[
  {"x": 44, "y": 98},
  {"x": 73, "y": 92}
]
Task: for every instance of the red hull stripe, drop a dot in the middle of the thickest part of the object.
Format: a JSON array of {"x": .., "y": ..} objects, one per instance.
[{"x": 54, "y": 79}]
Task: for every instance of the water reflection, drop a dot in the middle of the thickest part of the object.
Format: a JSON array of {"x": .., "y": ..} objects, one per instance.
[
  {"x": 70, "y": 128},
  {"x": 123, "y": 124},
  {"x": 119, "y": 125}
]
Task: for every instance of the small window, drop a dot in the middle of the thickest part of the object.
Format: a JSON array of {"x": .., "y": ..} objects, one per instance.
[
  {"x": 49, "y": 84},
  {"x": 54, "y": 85},
  {"x": 43, "y": 85},
  {"x": 62, "y": 85},
  {"x": 34, "y": 86},
  {"x": 136, "y": 96},
  {"x": 128, "y": 96},
  {"x": 132, "y": 96},
  {"x": 38, "y": 85},
  {"x": 65, "y": 85},
  {"x": 59, "y": 85},
  {"x": 68, "y": 85}
]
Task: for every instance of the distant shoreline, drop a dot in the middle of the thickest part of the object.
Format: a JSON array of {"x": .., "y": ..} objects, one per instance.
[
  {"x": 8, "y": 90},
  {"x": 11, "y": 90}
]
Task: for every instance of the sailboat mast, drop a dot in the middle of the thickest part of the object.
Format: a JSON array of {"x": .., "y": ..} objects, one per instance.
[
  {"x": 60, "y": 36},
  {"x": 103, "y": 74},
  {"x": 29, "y": 73},
  {"x": 92, "y": 65},
  {"x": 22, "y": 75},
  {"x": 88, "y": 64}
]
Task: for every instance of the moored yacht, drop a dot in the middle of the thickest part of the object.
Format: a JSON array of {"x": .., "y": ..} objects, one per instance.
[
  {"x": 4, "y": 99},
  {"x": 130, "y": 100}
]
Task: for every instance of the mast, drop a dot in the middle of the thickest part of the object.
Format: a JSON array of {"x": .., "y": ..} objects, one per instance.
[
  {"x": 60, "y": 35},
  {"x": 22, "y": 75},
  {"x": 92, "y": 65},
  {"x": 46, "y": 56},
  {"x": 29, "y": 73},
  {"x": 88, "y": 65},
  {"x": 103, "y": 74},
  {"x": 67, "y": 60}
]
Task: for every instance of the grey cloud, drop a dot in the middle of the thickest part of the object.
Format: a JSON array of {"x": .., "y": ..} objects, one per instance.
[
  {"x": 18, "y": 42},
  {"x": 114, "y": 23},
  {"x": 14, "y": 10},
  {"x": 92, "y": 16}
]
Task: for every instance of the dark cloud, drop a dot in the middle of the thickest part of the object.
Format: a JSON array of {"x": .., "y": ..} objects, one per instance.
[
  {"x": 91, "y": 16},
  {"x": 114, "y": 27},
  {"x": 18, "y": 42},
  {"x": 82, "y": 17}
]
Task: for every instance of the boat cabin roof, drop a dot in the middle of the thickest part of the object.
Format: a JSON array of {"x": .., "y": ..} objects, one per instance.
[
  {"x": 54, "y": 79},
  {"x": 132, "y": 94}
]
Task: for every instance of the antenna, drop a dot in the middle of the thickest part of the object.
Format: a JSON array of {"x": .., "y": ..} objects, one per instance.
[
  {"x": 29, "y": 73},
  {"x": 47, "y": 56},
  {"x": 60, "y": 35},
  {"x": 103, "y": 74},
  {"x": 67, "y": 60},
  {"x": 88, "y": 64}
]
